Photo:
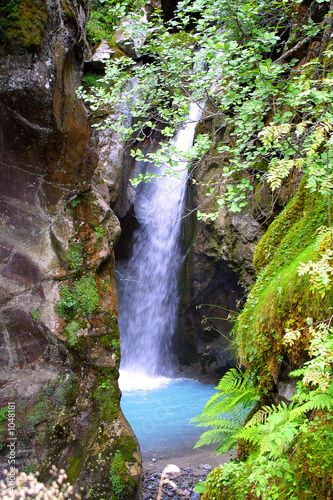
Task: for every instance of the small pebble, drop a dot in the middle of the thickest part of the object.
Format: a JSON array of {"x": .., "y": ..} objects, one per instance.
[{"x": 195, "y": 496}]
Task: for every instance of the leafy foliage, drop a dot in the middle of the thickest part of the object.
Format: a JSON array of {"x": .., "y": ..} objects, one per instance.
[
  {"x": 74, "y": 257},
  {"x": 82, "y": 298},
  {"x": 272, "y": 431},
  {"x": 105, "y": 17},
  {"x": 226, "y": 410},
  {"x": 277, "y": 123},
  {"x": 119, "y": 476},
  {"x": 242, "y": 77}
]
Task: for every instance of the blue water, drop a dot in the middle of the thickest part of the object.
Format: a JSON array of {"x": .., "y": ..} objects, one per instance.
[{"x": 160, "y": 417}]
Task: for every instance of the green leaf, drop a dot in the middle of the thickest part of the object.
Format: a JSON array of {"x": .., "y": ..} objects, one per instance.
[{"x": 200, "y": 487}]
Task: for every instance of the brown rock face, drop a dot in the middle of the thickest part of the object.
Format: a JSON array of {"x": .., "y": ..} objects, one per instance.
[{"x": 59, "y": 353}]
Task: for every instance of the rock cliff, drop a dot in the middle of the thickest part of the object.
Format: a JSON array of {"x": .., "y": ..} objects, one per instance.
[{"x": 58, "y": 322}]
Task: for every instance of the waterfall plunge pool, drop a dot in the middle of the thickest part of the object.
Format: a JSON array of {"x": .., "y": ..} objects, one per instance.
[{"x": 159, "y": 410}]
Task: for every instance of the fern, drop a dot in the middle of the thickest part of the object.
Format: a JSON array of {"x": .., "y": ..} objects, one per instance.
[
  {"x": 261, "y": 415},
  {"x": 226, "y": 411}
]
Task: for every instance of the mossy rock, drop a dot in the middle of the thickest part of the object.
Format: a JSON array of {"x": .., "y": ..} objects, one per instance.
[
  {"x": 74, "y": 468},
  {"x": 281, "y": 298},
  {"x": 127, "y": 445},
  {"x": 269, "y": 243},
  {"x": 23, "y": 22},
  {"x": 122, "y": 483},
  {"x": 107, "y": 398}
]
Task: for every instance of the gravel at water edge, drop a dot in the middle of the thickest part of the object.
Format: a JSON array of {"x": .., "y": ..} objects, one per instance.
[{"x": 194, "y": 467}]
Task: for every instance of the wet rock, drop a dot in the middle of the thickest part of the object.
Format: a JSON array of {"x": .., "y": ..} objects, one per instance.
[
  {"x": 56, "y": 230},
  {"x": 286, "y": 390},
  {"x": 96, "y": 62}
]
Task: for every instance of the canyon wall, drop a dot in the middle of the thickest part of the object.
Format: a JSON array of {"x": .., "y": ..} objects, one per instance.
[{"x": 60, "y": 350}]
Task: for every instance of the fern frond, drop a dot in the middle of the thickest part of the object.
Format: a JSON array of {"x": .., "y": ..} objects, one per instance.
[
  {"x": 261, "y": 416},
  {"x": 209, "y": 437},
  {"x": 226, "y": 410},
  {"x": 218, "y": 424},
  {"x": 313, "y": 400},
  {"x": 211, "y": 412},
  {"x": 227, "y": 444},
  {"x": 247, "y": 398},
  {"x": 232, "y": 381},
  {"x": 300, "y": 410},
  {"x": 297, "y": 373},
  {"x": 251, "y": 434},
  {"x": 321, "y": 401},
  {"x": 218, "y": 397}
]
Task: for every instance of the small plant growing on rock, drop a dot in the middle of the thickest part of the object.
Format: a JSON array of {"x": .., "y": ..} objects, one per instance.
[
  {"x": 71, "y": 330},
  {"x": 99, "y": 233},
  {"x": 119, "y": 477},
  {"x": 74, "y": 257},
  {"x": 81, "y": 298},
  {"x": 36, "y": 315}
]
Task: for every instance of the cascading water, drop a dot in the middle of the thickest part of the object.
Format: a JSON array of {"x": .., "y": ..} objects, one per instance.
[
  {"x": 149, "y": 298},
  {"x": 158, "y": 407}
]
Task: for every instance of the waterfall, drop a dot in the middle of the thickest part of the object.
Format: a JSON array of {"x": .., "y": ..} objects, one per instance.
[{"x": 148, "y": 295}]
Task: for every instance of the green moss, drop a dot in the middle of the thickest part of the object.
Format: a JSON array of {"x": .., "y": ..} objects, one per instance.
[
  {"x": 46, "y": 405},
  {"x": 111, "y": 343},
  {"x": 182, "y": 38},
  {"x": 71, "y": 331},
  {"x": 127, "y": 445},
  {"x": 280, "y": 298},
  {"x": 269, "y": 243},
  {"x": 79, "y": 299},
  {"x": 75, "y": 467},
  {"x": 36, "y": 314},
  {"x": 22, "y": 22},
  {"x": 111, "y": 322},
  {"x": 313, "y": 459},
  {"x": 107, "y": 398},
  {"x": 119, "y": 477},
  {"x": 3, "y": 420},
  {"x": 92, "y": 80}
]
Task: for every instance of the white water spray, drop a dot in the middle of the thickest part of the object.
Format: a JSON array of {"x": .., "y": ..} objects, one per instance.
[{"x": 149, "y": 300}]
